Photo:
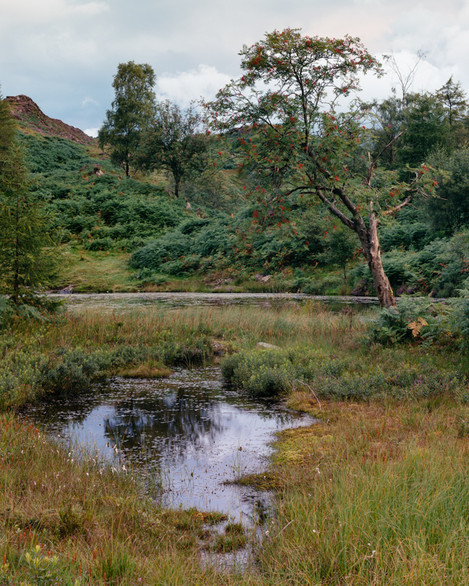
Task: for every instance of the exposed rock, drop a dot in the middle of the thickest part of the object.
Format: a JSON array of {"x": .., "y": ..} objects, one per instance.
[
  {"x": 219, "y": 348},
  {"x": 31, "y": 117},
  {"x": 267, "y": 346},
  {"x": 263, "y": 278}
]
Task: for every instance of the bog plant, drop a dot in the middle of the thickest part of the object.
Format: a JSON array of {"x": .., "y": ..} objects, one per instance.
[{"x": 43, "y": 569}]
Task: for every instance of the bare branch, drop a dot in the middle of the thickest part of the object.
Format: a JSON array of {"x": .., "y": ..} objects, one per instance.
[
  {"x": 335, "y": 210},
  {"x": 386, "y": 147},
  {"x": 395, "y": 209}
]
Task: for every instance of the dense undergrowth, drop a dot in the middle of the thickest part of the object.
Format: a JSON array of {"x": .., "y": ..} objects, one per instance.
[{"x": 229, "y": 240}]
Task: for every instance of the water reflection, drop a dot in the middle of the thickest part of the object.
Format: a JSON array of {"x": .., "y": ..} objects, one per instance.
[
  {"x": 113, "y": 301},
  {"x": 185, "y": 430}
]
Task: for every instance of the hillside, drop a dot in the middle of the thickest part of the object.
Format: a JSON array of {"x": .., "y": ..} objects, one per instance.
[
  {"x": 32, "y": 119},
  {"x": 132, "y": 233}
]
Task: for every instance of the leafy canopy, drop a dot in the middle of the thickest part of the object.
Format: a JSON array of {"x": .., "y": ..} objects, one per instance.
[
  {"x": 132, "y": 107},
  {"x": 173, "y": 141},
  {"x": 300, "y": 143}
]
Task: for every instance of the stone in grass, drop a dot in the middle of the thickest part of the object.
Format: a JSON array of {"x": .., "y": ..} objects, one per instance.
[{"x": 267, "y": 346}]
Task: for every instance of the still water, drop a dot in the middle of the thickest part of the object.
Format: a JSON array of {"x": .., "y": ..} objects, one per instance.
[
  {"x": 116, "y": 301},
  {"x": 186, "y": 435}
]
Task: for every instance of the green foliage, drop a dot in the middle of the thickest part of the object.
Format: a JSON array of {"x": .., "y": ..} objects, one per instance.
[
  {"x": 6, "y": 311},
  {"x": 269, "y": 373},
  {"x": 439, "y": 268},
  {"x": 423, "y": 321},
  {"x": 173, "y": 141},
  {"x": 87, "y": 198},
  {"x": 454, "y": 102},
  {"x": 47, "y": 155},
  {"x": 43, "y": 569},
  {"x": 28, "y": 253},
  {"x": 7, "y": 131},
  {"x": 426, "y": 129},
  {"x": 407, "y": 233},
  {"x": 180, "y": 251},
  {"x": 261, "y": 373},
  {"x": 132, "y": 107},
  {"x": 74, "y": 371},
  {"x": 449, "y": 211},
  {"x": 186, "y": 353}
]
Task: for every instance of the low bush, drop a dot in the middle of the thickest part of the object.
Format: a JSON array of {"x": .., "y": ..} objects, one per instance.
[
  {"x": 270, "y": 373},
  {"x": 73, "y": 371},
  {"x": 188, "y": 353},
  {"x": 261, "y": 373},
  {"x": 422, "y": 321}
]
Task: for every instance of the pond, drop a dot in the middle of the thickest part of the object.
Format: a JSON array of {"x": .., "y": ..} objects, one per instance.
[
  {"x": 113, "y": 301},
  {"x": 186, "y": 435}
]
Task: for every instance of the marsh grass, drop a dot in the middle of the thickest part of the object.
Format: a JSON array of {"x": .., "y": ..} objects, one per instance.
[
  {"x": 76, "y": 521},
  {"x": 70, "y": 351},
  {"x": 376, "y": 493},
  {"x": 381, "y": 493}
]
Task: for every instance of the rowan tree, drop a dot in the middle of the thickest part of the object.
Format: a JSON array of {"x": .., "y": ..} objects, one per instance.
[
  {"x": 133, "y": 107},
  {"x": 301, "y": 145}
]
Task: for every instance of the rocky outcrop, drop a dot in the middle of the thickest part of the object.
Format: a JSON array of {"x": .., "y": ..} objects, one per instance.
[{"x": 31, "y": 118}]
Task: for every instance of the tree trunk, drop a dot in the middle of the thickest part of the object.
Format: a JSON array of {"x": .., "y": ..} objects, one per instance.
[{"x": 372, "y": 251}]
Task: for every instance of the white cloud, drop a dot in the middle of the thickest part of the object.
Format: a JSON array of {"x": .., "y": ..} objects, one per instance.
[
  {"x": 31, "y": 13},
  {"x": 183, "y": 87},
  {"x": 89, "y": 101},
  {"x": 93, "y": 132},
  {"x": 64, "y": 53}
]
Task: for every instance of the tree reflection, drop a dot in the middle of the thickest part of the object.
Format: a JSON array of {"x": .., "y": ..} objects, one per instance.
[{"x": 173, "y": 421}]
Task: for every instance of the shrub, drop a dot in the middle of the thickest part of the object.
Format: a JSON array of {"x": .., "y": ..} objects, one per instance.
[
  {"x": 422, "y": 321},
  {"x": 74, "y": 371},
  {"x": 270, "y": 373},
  {"x": 261, "y": 373},
  {"x": 188, "y": 353}
]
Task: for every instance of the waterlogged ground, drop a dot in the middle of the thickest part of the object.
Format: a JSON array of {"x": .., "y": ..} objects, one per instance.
[{"x": 188, "y": 437}]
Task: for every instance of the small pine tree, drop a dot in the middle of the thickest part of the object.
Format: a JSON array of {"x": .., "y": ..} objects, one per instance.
[{"x": 28, "y": 251}]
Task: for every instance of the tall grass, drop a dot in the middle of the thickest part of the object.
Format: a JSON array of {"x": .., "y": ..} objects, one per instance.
[
  {"x": 74, "y": 521},
  {"x": 375, "y": 493},
  {"x": 311, "y": 322},
  {"x": 376, "y": 497}
]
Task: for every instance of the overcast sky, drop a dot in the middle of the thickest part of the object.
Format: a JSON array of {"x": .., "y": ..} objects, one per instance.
[{"x": 64, "y": 53}]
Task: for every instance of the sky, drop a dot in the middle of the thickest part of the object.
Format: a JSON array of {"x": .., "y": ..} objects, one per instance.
[{"x": 64, "y": 53}]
